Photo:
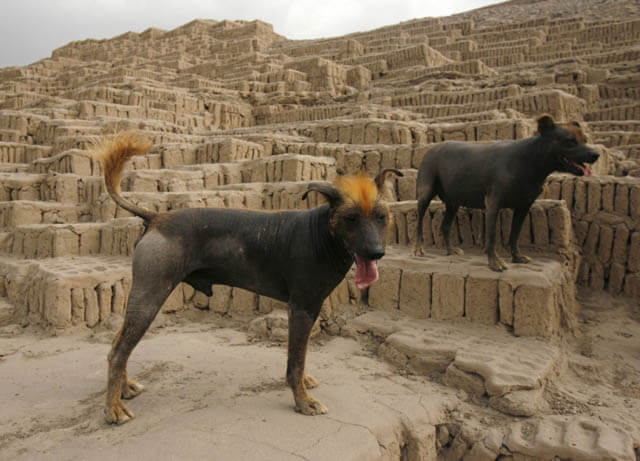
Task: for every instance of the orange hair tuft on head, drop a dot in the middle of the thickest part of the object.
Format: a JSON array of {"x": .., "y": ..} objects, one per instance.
[{"x": 359, "y": 188}]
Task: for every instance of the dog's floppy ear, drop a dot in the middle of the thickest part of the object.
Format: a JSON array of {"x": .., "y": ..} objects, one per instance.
[
  {"x": 384, "y": 175},
  {"x": 545, "y": 124},
  {"x": 330, "y": 193}
]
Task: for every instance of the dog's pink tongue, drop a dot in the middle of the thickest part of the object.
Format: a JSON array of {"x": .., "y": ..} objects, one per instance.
[
  {"x": 585, "y": 169},
  {"x": 366, "y": 272}
]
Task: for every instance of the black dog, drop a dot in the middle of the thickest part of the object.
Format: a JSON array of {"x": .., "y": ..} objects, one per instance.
[
  {"x": 293, "y": 256},
  {"x": 506, "y": 174}
]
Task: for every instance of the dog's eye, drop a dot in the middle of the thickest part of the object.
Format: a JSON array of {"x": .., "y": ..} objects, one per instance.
[
  {"x": 571, "y": 142},
  {"x": 381, "y": 218},
  {"x": 351, "y": 218}
]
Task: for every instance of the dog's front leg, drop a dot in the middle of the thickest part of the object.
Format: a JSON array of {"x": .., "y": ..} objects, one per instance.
[
  {"x": 495, "y": 262},
  {"x": 300, "y": 324},
  {"x": 519, "y": 214}
]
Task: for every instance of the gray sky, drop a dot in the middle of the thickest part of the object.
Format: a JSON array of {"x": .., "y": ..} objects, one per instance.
[{"x": 31, "y": 29}]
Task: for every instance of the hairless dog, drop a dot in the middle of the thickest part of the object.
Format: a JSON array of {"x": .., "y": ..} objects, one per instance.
[
  {"x": 294, "y": 256},
  {"x": 505, "y": 174}
]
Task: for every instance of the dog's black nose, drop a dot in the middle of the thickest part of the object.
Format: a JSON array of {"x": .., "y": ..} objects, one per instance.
[
  {"x": 376, "y": 253},
  {"x": 594, "y": 156}
]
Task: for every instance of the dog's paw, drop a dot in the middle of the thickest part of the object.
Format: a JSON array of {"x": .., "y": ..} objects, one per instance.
[
  {"x": 455, "y": 251},
  {"x": 117, "y": 413},
  {"x": 418, "y": 251},
  {"x": 497, "y": 264},
  {"x": 131, "y": 389},
  {"x": 311, "y": 407},
  {"x": 521, "y": 259},
  {"x": 310, "y": 382}
]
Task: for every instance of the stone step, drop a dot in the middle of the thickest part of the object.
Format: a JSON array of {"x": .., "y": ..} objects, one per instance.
[
  {"x": 278, "y": 168},
  {"x": 21, "y": 212},
  {"x": 569, "y": 437},
  {"x": 547, "y": 228},
  {"x": 7, "y": 311},
  {"x": 65, "y": 188},
  {"x": 36, "y": 241},
  {"x": 14, "y": 167},
  {"x": 88, "y": 290},
  {"x": 486, "y": 362},
  {"x": 368, "y": 131},
  {"x": 256, "y": 196},
  {"x": 535, "y": 299},
  {"x": 13, "y": 152}
]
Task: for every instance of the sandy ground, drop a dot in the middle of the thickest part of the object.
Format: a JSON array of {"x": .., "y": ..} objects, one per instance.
[{"x": 211, "y": 393}]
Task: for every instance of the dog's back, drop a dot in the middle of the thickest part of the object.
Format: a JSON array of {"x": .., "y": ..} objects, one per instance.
[{"x": 461, "y": 172}]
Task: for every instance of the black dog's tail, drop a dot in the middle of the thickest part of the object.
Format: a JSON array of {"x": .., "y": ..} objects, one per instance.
[{"x": 113, "y": 152}]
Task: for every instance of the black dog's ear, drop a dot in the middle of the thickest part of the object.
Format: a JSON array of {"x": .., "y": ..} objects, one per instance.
[
  {"x": 330, "y": 193},
  {"x": 545, "y": 124},
  {"x": 384, "y": 175}
]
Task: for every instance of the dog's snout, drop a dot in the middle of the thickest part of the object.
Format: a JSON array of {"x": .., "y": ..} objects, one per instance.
[{"x": 376, "y": 253}]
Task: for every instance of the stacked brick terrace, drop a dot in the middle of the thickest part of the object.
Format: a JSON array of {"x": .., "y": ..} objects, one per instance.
[{"x": 242, "y": 117}]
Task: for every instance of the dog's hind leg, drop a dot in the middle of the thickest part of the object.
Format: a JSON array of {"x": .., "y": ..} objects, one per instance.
[
  {"x": 154, "y": 277},
  {"x": 495, "y": 262},
  {"x": 519, "y": 215},
  {"x": 424, "y": 194},
  {"x": 445, "y": 228},
  {"x": 300, "y": 324}
]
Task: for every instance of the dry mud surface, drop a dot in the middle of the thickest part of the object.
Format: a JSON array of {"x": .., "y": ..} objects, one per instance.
[{"x": 214, "y": 392}]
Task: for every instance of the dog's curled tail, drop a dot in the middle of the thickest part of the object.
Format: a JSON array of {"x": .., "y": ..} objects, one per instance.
[{"x": 113, "y": 152}]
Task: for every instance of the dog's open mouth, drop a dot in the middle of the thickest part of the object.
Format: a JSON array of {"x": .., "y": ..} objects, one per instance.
[
  {"x": 366, "y": 272},
  {"x": 577, "y": 168}
]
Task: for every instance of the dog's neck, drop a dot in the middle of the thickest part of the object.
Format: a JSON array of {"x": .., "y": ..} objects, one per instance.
[
  {"x": 325, "y": 245},
  {"x": 545, "y": 163}
]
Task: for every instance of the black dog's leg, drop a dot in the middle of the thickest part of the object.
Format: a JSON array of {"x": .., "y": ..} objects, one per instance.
[
  {"x": 449, "y": 216},
  {"x": 424, "y": 198},
  {"x": 495, "y": 262},
  {"x": 300, "y": 324},
  {"x": 154, "y": 277},
  {"x": 519, "y": 214}
]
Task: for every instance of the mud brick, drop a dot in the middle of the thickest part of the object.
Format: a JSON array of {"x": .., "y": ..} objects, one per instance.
[
  {"x": 608, "y": 194},
  {"x": 220, "y": 302},
  {"x": 616, "y": 278},
  {"x": 591, "y": 242},
  {"x": 534, "y": 311},
  {"x": 620, "y": 244},
  {"x": 104, "y": 300},
  {"x": 505, "y": 302},
  {"x": 119, "y": 298},
  {"x": 57, "y": 304},
  {"x": 92, "y": 308},
  {"x": 594, "y": 196},
  {"x": 539, "y": 225},
  {"x": 634, "y": 253},
  {"x": 447, "y": 296},
  {"x": 605, "y": 244},
  {"x": 384, "y": 294},
  {"x": 481, "y": 299},
  {"x": 621, "y": 201},
  {"x": 632, "y": 285},
  {"x": 596, "y": 276},
  {"x": 175, "y": 301},
  {"x": 634, "y": 201},
  {"x": 415, "y": 293},
  {"x": 77, "y": 306},
  {"x": 559, "y": 226},
  {"x": 372, "y": 163},
  {"x": 567, "y": 192},
  {"x": 580, "y": 198}
]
